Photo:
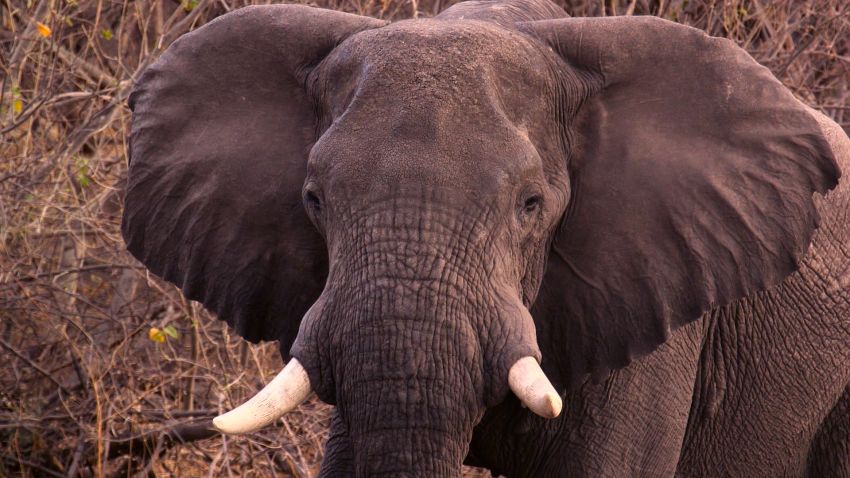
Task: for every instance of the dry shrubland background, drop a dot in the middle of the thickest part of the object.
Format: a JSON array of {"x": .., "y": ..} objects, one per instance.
[{"x": 104, "y": 367}]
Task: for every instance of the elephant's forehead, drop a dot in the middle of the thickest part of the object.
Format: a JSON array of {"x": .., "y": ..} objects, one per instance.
[
  {"x": 438, "y": 42},
  {"x": 433, "y": 102},
  {"x": 448, "y": 56}
]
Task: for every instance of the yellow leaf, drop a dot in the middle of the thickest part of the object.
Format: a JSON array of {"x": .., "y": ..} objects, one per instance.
[
  {"x": 156, "y": 335},
  {"x": 17, "y": 106},
  {"x": 43, "y": 29}
]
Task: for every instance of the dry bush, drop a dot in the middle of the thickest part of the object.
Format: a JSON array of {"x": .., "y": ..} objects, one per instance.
[{"x": 81, "y": 374}]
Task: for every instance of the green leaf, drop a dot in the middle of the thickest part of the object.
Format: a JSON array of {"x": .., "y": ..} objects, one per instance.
[
  {"x": 106, "y": 33},
  {"x": 83, "y": 177},
  {"x": 171, "y": 332}
]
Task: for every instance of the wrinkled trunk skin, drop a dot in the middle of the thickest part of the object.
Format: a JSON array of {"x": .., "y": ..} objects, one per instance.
[
  {"x": 411, "y": 408},
  {"x": 419, "y": 428},
  {"x": 408, "y": 384},
  {"x": 411, "y": 341}
]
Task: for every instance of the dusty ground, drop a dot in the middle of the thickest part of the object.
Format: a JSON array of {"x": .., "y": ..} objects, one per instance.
[{"x": 83, "y": 373}]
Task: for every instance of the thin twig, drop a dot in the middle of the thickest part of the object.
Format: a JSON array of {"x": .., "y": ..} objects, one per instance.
[{"x": 32, "y": 364}]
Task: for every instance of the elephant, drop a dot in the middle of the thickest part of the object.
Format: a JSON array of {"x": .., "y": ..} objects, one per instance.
[{"x": 507, "y": 237}]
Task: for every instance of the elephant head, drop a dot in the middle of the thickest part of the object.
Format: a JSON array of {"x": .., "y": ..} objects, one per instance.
[{"x": 421, "y": 212}]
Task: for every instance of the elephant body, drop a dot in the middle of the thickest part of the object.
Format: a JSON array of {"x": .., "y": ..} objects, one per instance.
[
  {"x": 760, "y": 387},
  {"x": 453, "y": 224}
]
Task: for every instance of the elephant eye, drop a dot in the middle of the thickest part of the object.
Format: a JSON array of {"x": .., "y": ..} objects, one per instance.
[
  {"x": 311, "y": 201},
  {"x": 531, "y": 204}
]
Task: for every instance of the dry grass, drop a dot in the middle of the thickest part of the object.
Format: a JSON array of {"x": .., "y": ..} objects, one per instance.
[{"x": 79, "y": 371}]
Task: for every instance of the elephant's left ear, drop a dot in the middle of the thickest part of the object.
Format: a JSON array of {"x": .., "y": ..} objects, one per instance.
[
  {"x": 222, "y": 127},
  {"x": 692, "y": 175}
]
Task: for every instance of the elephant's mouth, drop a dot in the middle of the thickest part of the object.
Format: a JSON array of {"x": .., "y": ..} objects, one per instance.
[{"x": 292, "y": 386}]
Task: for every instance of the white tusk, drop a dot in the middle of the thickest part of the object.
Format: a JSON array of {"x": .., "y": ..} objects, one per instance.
[
  {"x": 534, "y": 390},
  {"x": 281, "y": 395}
]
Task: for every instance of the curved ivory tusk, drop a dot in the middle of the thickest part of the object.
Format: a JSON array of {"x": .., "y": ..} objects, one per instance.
[
  {"x": 531, "y": 386},
  {"x": 281, "y": 395}
]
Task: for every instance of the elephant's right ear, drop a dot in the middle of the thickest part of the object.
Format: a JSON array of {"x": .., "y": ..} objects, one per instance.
[
  {"x": 222, "y": 125},
  {"x": 692, "y": 171}
]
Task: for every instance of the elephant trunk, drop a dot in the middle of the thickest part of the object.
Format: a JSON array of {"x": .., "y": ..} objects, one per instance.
[
  {"x": 403, "y": 362},
  {"x": 410, "y": 406},
  {"x": 412, "y": 369}
]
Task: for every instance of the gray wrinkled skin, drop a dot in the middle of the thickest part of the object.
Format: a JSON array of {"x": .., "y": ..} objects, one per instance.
[{"x": 409, "y": 208}]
